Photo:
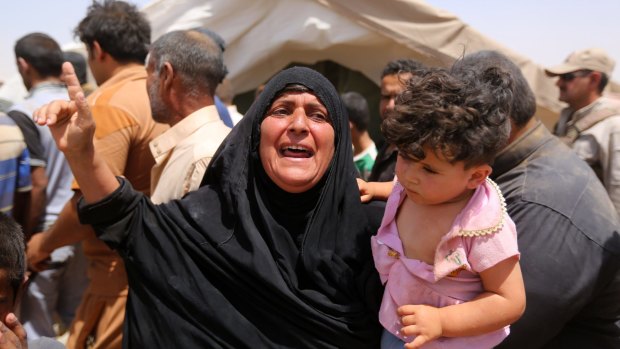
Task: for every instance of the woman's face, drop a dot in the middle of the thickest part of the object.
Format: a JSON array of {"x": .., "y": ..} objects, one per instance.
[{"x": 296, "y": 141}]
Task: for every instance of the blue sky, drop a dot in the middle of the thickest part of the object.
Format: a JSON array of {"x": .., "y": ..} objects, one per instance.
[{"x": 546, "y": 31}]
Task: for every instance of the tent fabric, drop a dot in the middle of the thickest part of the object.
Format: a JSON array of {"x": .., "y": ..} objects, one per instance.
[{"x": 264, "y": 36}]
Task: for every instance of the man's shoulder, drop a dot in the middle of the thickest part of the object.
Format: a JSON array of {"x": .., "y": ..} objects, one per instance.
[
  {"x": 217, "y": 129},
  {"x": 554, "y": 182},
  {"x": 9, "y": 131},
  {"x": 126, "y": 92},
  {"x": 5, "y": 119},
  {"x": 609, "y": 103},
  {"x": 602, "y": 114},
  {"x": 122, "y": 104},
  {"x": 207, "y": 138}
]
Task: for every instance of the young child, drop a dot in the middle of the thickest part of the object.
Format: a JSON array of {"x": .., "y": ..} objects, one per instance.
[
  {"x": 447, "y": 250},
  {"x": 12, "y": 282}
]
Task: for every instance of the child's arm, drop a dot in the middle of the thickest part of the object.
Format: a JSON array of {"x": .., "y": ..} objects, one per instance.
[
  {"x": 374, "y": 190},
  {"x": 501, "y": 304}
]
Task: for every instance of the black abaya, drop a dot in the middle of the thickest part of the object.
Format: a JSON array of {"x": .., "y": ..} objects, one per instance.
[{"x": 241, "y": 263}]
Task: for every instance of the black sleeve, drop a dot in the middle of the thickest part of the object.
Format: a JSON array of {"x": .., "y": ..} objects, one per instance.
[
  {"x": 374, "y": 211},
  {"x": 371, "y": 285},
  {"x": 114, "y": 216},
  {"x": 31, "y": 136}
]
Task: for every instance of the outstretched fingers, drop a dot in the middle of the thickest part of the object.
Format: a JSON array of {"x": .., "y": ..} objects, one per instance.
[
  {"x": 76, "y": 94},
  {"x": 71, "y": 80},
  {"x": 51, "y": 113},
  {"x": 60, "y": 111}
]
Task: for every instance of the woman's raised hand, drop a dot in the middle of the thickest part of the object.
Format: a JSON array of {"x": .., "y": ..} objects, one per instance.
[
  {"x": 73, "y": 128},
  {"x": 70, "y": 122}
]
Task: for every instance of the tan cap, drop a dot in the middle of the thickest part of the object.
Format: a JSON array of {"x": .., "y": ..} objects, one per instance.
[{"x": 594, "y": 59}]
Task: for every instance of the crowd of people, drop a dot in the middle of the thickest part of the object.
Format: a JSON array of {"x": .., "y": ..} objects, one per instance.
[{"x": 149, "y": 213}]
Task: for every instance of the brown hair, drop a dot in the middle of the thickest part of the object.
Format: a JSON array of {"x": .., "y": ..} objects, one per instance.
[{"x": 460, "y": 119}]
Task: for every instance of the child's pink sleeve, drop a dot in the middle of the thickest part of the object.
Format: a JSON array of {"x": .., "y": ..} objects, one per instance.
[{"x": 488, "y": 250}]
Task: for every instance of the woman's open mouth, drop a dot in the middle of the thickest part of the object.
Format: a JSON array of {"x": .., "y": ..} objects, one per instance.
[{"x": 296, "y": 151}]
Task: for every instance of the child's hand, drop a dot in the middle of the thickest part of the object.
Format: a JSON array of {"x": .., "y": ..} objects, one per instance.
[
  {"x": 422, "y": 321},
  {"x": 365, "y": 190},
  {"x": 374, "y": 190}
]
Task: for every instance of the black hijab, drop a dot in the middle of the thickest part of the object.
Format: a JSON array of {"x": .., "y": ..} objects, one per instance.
[{"x": 240, "y": 263}]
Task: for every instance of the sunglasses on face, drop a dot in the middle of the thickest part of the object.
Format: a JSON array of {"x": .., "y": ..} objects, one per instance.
[{"x": 576, "y": 74}]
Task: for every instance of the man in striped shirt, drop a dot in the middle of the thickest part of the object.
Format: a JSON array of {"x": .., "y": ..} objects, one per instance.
[{"x": 15, "y": 184}]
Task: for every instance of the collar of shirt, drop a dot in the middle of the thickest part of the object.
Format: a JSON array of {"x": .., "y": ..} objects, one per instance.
[
  {"x": 46, "y": 86},
  {"x": 575, "y": 115},
  {"x": 164, "y": 143},
  {"x": 520, "y": 149},
  {"x": 131, "y": 72}
]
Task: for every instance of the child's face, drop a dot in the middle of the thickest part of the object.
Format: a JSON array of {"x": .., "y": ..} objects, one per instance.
[
  {"x": 434, "y": 180},
  {"x": 7, "y": 295}
]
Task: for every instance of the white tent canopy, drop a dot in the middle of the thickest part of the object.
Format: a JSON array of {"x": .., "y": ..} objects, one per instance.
[{"x": 264, "y": 36}]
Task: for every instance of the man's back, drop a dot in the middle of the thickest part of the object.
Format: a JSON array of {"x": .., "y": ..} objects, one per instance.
[
  {"x": 58, "y": 190},
  {"x": 569, "y": 243},
  {"x": 121, "y": 109},
  {"x": 52, "y": 294},
  {"x": 122, "y": 112},
  {"x": 124, "y": 125}
]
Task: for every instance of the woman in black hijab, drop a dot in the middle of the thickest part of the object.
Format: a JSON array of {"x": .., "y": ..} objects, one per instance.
[{"x": 271, "y": 252}]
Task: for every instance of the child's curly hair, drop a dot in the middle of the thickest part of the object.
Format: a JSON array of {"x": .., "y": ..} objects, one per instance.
[{"x": 463, "y": 119}]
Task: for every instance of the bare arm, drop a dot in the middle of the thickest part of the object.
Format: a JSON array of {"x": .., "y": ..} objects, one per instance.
[
  {"x": 66, "y": 230},
  {"x": 501, "y": 304},
  {"x": 73, "y": 128},
  {"x": 374, "y": 190},
  {"x": 37, "y": 199}
]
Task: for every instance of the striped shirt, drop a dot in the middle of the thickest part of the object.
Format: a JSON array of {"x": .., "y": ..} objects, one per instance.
[{"x": 14, "y": 163}]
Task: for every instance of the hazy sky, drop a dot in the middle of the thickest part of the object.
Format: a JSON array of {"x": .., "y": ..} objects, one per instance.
[
  {"x": 55, "y": 18},
  {"x": 546, "y": 31}
]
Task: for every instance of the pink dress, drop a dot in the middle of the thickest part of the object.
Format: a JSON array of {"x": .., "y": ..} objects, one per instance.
[{"x": 481, "y": 236}]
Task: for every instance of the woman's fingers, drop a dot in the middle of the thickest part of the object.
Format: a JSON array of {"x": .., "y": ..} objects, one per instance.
[
  {"x": 71, "y": 80},
  {"x": 76, "y": 94},
  {"x": 59, "y": 110}
]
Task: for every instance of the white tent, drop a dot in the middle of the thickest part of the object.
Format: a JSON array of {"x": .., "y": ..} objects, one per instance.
[{"x": 264, "y": 36}]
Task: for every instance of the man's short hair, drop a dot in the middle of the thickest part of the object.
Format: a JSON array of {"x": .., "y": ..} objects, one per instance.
[
  {"x": 357, "y": 109},
  {"x": 214, "y": 36},
  {"x": 401, "y": 66},
  {"x": 119, "y": 29},
  {"x": 195, "y": 56},
  {"x": 523, "y": 105},
  {"x": 12, "y": 252},
  {"x": 42, "y": 52}
]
